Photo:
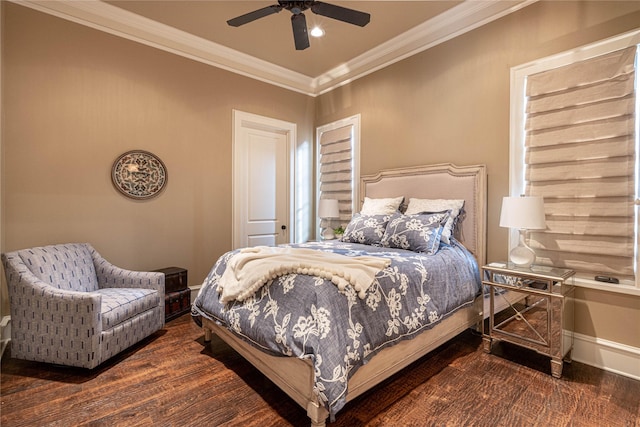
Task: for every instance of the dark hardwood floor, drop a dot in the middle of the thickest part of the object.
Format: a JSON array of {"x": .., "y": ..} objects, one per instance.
[{"x": 174, "y": 379}]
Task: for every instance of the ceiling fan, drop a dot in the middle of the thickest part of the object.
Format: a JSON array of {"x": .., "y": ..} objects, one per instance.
[{"x": 298, "y": 20}]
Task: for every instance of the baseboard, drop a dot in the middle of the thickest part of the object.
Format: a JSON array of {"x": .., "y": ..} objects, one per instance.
[
  {"x": 607, "y": 355},
  {"x": 5, "y": 333}
]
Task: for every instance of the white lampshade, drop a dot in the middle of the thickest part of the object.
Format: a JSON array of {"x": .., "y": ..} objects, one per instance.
[
  {"x": 524, "y": 213},
  {"x": 328, "y": 208}
]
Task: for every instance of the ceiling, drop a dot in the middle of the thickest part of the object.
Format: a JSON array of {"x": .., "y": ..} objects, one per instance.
[
  {"x": 271, "y": 39},
  {"x": 264, "y": 49}
]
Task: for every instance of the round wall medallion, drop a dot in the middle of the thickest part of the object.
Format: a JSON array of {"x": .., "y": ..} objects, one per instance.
[{"x": 139, "y": 174}]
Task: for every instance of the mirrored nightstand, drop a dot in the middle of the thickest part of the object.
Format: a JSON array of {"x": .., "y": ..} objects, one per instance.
[{"x": 531, "y": 307}]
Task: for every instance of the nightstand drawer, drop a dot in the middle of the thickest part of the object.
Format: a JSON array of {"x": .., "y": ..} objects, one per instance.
[
  {"x": 177, "y": 304},
  {"x": 536, "y": 279}
]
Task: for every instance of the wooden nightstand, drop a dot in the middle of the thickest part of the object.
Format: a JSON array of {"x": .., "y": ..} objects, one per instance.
[
  {"x": 177, "y": 295},
  {"x": 530, "y": 307}
]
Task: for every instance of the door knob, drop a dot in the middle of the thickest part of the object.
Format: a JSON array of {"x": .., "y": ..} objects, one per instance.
[{"x": 284, "y": 227}]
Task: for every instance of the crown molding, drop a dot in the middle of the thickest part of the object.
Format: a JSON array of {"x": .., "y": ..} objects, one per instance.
[
  {"x": 122, "y": 23},
  {"x": 113, "y": 20},
  {"x": 452, "y": 23}
]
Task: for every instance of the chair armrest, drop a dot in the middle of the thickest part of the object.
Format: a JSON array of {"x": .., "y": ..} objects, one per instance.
[{"x": 111, "y": 276}]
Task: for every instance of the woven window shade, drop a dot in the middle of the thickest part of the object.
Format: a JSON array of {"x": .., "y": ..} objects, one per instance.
[
  {"x": 336, "y": 170},
  {"x": 580, "y": 156}
]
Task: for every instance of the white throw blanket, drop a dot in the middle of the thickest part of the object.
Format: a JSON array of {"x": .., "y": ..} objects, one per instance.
[{"x": 251, "y": 268}]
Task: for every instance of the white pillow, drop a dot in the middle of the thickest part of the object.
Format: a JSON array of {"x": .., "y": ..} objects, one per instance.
[
  {"x": 387, "y": 206},
  {"x": 417, "y": 206}
]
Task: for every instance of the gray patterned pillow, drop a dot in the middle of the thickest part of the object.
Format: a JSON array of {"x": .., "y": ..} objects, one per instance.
[
  {"x": 417, "y": 233},
  {"x": 455, "y": 207},
  {"x": 366, "y": 229}
]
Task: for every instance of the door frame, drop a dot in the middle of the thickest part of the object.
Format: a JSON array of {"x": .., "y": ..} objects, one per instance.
[{"x": 242, "y": 120}]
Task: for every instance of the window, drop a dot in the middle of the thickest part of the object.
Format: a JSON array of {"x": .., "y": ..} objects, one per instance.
[
  {"x": 574, "y": 141},
  {"x": 338, "y": 167}
]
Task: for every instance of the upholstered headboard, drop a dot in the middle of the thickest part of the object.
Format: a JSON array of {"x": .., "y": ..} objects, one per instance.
[{"x": 441, "y": 181}]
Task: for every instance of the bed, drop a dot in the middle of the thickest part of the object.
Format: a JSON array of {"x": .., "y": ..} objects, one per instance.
[{"x": 410, "y": 335}]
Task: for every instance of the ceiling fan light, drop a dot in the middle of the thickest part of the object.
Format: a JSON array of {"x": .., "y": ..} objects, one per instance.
[{"x": 317, "y": 32}]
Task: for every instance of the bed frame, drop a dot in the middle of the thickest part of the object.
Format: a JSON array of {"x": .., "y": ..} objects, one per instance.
[{"x": 443, "y": 181}]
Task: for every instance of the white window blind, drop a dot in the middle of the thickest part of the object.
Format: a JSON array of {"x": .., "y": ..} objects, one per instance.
[
  {"x": 580, "y": 156},
  {"x": 336, "y": 177}
]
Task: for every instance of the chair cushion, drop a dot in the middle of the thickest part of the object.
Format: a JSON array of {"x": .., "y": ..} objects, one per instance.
[
  {"x": 69, "y": 267},
  {"x": 121, "y": 304}
]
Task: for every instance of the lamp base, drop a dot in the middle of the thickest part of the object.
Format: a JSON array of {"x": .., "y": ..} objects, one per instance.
[
  {"x": 522, "y": 255},
  {"x": 327, "y": 234}
]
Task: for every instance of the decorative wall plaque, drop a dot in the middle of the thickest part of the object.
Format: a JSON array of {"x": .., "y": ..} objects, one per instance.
[{"x": 139, "y": 174}]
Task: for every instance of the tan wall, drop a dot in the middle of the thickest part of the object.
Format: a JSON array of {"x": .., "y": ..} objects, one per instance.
[
  {"x": 451, "y": 104},
  {"x": 76, "y": 98}
]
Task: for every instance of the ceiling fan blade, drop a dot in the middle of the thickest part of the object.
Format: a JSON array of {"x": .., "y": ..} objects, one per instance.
[
  {"x": 300, "y": 36},
  {"x": 252, "y": 16},
  {"x": 341, "y": 13}
]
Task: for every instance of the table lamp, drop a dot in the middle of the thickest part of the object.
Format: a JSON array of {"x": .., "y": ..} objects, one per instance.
[
  {"x": 328, "y": 209},
  {"x": 522, "y": 213}
]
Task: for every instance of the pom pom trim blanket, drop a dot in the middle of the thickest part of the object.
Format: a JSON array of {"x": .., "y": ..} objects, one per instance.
[{"x": 251, "y": 268}]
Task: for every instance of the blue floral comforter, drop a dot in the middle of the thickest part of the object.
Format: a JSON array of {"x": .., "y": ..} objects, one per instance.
[{"x": 309, "y": 317}]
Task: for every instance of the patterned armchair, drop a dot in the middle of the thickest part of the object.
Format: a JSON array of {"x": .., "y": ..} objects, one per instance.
[{"x": 71, "y": 307}]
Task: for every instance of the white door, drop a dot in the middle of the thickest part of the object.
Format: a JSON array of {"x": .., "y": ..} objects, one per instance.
[{"x": 261, "y": 186}]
